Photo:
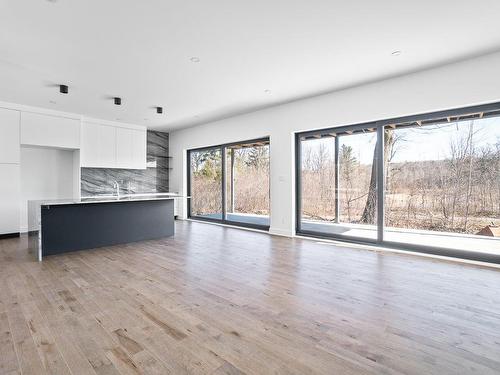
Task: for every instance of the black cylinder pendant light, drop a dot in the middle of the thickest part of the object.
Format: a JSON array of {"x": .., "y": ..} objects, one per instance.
[
  {"x": 118, "y": 101},
  {"x": 63, "y": 89},
  {"x": 159, "y": 110}
]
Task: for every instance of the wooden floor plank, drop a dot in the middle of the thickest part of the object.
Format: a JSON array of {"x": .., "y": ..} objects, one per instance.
[
  {"x": 27, "y": 353},
  {"x": 8, "y": 356}
]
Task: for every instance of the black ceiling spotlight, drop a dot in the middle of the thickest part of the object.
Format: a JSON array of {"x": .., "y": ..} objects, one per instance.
[
  {"x": 159, "y": 110},
  {"x": 63, "y": 89},
  {"x": 118, "y": 101}
]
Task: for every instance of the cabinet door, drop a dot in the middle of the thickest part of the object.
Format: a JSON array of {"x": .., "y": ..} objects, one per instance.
[
  {"x": 49, "y": 131},
  {"x": 98, "y": 146},
  {"x": 139, "y": 149},
  {"x": 107, "y": 146},
  {"x": 9, "y": 136},
  {"x": 124, "y": 148},
  {"x": 89, "y": 153},
  {"x": 9, "y": 198}
]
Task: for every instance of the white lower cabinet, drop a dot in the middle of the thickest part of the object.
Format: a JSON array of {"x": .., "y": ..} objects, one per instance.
[{"x": 10, "y": 197}]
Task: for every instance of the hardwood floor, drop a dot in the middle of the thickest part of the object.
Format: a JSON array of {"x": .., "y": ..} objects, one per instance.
[{"x": 215, "y": 300}]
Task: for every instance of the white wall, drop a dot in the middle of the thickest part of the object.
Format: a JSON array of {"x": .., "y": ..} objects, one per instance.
[
  {"x": 45, "y": 174},
  {"x": 466, "y": 83}
]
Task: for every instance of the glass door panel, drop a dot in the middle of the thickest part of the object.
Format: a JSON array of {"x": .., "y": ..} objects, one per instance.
[
  {"x": 443, "y": 185},
  {"x": 206, "y": 183},
  {"x": 338, "y": 183},
  {"x": 358, "y": 185},
  {"x": 247, "y": 183},
  {"x": 318, "y": 175}
]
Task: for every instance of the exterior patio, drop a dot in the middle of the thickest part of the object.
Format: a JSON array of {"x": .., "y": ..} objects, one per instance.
[{"x": 482, "y": 244}]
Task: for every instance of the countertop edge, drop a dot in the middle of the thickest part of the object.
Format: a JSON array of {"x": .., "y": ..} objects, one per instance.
[{"x": 97, "y": 201}]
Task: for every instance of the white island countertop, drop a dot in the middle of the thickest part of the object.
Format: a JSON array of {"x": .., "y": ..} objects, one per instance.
[{"x": 108, "y": 199}]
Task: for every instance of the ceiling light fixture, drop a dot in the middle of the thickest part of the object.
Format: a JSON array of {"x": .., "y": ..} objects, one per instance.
[
  {"x": 267, "y": 91},
  {"x": 195, "y": 59},
  {"x": 118, "y": 101},
  {"x": 63, "y": 89},
  {"x": 52, "y": 102},
  {"x": 159, "y": 110},
  {"x": 396, "y": 53}
]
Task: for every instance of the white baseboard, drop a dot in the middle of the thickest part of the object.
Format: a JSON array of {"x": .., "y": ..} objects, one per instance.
[{"x": 281, "y": 232}]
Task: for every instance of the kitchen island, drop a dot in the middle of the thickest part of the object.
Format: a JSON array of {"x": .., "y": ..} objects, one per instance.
[{"x": 60, "y": 226}]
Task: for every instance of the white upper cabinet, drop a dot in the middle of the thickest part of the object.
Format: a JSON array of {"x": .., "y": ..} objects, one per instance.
[
  {"x": 49, "y": 131},
  {"x": 90, "y": 145},
  {"x": 108, "y": 146},
  {"x": 130, "y": 148},
  {"x": 139, "y": 149},
  {"x": 124, "y": 145},
  {"x": 9, "y": 136},
  {"x": 98, "y": 149}
]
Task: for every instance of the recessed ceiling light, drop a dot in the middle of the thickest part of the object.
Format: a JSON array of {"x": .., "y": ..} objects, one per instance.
[
  {"x": 396, "y": 53},
  {"x": 146, "y": 119},
  {"x": 52, "y": 102},
  {"x": 118, "y": 119},
  {"x": 195, "y": 59},
  {"x": 267, "y": 91}
]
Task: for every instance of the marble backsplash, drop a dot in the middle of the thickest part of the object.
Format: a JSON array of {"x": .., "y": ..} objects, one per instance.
[{"x": 154, "y": 179}]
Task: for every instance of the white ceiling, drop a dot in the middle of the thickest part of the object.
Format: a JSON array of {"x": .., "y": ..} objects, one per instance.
[{"x": 141, "y": 50}]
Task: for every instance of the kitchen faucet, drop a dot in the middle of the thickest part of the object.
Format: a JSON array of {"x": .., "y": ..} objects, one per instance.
[{"x": 116, "y": 186}]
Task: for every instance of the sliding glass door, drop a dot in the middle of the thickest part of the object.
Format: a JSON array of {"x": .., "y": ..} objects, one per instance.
[
  {"x": 247, "y": 183},
  {"x": 443, "y": 184},
  {"x": 338, "y": 183},
  {"x": 427, "y": 183},
  {"x": 230, "y": 183}
]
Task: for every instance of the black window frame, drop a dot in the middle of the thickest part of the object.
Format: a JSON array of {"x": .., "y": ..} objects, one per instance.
[
  {"x": 485, "y": 110},
  {"x": 223, "y": 148}
]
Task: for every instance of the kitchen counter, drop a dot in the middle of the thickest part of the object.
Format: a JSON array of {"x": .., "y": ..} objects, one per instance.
[
  {"x": 108, "y": 199},
  {"x": 63, "y": 225}
]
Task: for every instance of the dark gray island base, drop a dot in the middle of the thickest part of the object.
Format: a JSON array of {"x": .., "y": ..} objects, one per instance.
[{"x": 66, "y": 227}]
